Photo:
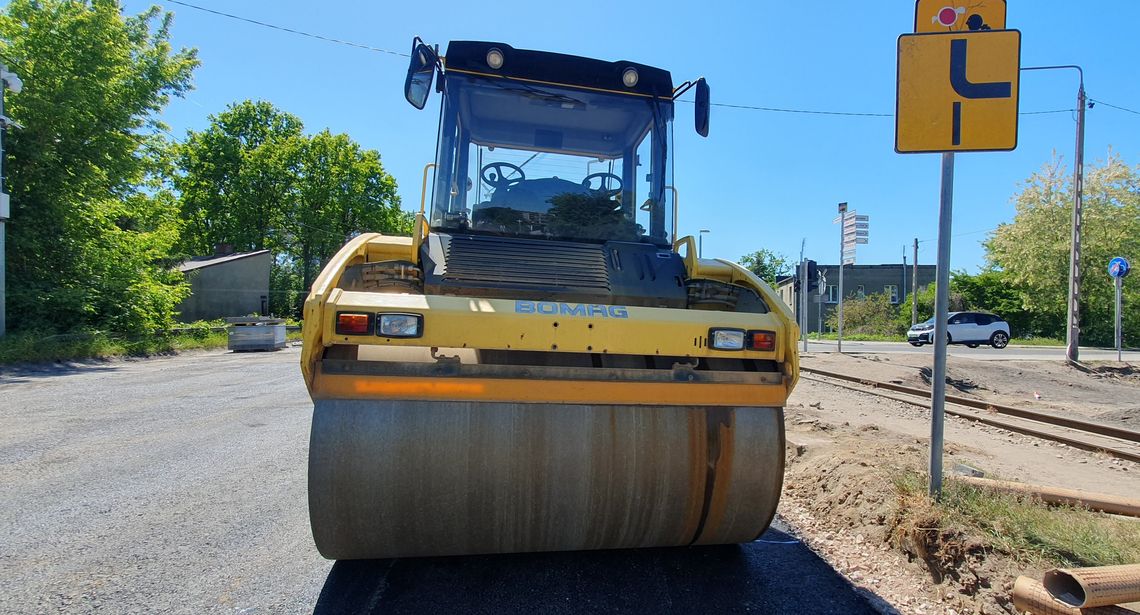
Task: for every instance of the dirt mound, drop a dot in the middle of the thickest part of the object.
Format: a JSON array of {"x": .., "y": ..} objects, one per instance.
[{"x": 849, "y": 491}]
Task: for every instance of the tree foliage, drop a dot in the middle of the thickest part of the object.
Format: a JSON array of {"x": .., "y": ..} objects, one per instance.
[
  {"x": 91, "y": 228},
  {"x": 767, "y": 265},
  {"x": 1032, "y": 252},
  {"x": 253, "y": 180}
]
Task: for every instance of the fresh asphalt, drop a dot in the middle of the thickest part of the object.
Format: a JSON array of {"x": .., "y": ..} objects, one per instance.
[{"x": 178, "y": 485}]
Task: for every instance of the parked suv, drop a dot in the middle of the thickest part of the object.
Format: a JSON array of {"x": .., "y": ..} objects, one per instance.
[{"x": 969, "y": 328}]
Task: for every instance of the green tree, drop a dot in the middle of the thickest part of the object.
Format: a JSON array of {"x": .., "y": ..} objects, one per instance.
[
  {"x": 92, "y": 222},
  {"x": 343, "y": 190},
  {"x": 1032, "y": 252},
  {"x": 238, "y": 178},
  {"x": 767, "y": 264},
  {"x": 253, "y": 180}
]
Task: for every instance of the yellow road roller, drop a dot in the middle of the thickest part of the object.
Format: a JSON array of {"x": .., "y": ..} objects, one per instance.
[{"x": 543, "y": 365}]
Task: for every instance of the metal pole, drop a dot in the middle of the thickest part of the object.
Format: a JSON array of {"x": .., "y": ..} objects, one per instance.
[
  {"x": 842, "y": 222},
  {"x": 902, "y": 289},
  {"x": 1119, "y": 323},
  {"x": 803, "y": 302},
  {"x": 3, "y": 223},
  {"x": 701, "y": 245},
  {"x": 941, "y": 308},
  {"x": 914, "y": 287},
  {"x": 1074, "y": 329}
]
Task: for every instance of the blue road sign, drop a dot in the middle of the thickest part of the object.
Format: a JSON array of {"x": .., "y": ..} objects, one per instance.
[{"x": 1118, "y": 267}]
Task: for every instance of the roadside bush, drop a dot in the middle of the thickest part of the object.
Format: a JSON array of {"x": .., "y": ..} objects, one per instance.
[{"x": 870, "y": 315}]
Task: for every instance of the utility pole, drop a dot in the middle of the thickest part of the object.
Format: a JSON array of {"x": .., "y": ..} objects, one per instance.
[
  {"x": 914, "y": 287},
  {"x": 1073, "y": 318},
  {"x": 1074, "y": 329}
]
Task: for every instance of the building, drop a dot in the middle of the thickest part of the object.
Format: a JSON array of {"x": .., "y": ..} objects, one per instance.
[
  {"x": 226, "y": 283},
  {"x": 858, "y": 281}
]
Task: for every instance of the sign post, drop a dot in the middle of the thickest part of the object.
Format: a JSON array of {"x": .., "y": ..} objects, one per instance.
[
  {"x": 853, "y": 230},
  {"x": 958, "y": 82},
  {"x": 1119, "y": 269}
]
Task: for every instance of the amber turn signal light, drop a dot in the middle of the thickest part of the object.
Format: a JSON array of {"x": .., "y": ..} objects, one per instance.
[
  {"x": 348, "y": 323},
  {"x": 761, "y": 340}
]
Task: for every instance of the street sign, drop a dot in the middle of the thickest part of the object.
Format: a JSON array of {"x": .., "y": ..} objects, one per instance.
[
  {"x": 1119, "y": 267},
  {"x": 944, "y": 16},
  {"x": 957, "y": 92}
]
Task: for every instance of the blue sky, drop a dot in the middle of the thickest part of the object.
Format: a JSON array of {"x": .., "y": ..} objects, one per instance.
[{"x": 761, "y": 179}]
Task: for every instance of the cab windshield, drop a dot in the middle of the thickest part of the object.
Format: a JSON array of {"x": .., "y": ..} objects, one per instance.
[{"x": 540, "y": 161}]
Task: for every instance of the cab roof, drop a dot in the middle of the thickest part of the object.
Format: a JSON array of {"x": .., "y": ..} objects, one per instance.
[{"x": 557, "y": 68}]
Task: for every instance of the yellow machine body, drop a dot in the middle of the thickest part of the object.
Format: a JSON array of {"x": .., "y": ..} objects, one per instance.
[{"x": 562, "y": 390}]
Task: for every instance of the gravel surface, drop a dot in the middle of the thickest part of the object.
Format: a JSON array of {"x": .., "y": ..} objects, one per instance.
[{"x": 178, "y": 485}]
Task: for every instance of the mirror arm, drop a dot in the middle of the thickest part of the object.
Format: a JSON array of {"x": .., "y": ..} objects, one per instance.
[{"x": 684, "y": 87}]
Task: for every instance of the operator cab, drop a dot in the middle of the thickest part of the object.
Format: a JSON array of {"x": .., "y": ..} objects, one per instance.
[{"x": 542, "y": 145}]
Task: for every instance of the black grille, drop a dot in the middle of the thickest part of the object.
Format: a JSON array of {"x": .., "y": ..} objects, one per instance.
[{"x": 495, "y": 261}]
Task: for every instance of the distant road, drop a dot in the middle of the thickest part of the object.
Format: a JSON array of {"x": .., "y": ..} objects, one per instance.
[
  {"x": 1019, "y": 353},
  {"x": 177, "y": 485}
]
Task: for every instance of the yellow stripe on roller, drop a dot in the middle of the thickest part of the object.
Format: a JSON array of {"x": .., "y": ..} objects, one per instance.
[
  {"x": 497, "y": 324},
  {"x": 327, "y": 386}
]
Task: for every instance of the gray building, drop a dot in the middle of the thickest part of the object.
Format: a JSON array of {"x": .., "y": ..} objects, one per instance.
[
  {"x": 226, "y": 284},
  {"x": 858, "y": 281}
]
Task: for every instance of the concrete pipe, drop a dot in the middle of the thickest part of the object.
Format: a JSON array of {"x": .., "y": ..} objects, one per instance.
[
  {"x": 1029, "y": 596},
  {"x": 1100, "y": 586},
  {"x": 420, "y": 478}
]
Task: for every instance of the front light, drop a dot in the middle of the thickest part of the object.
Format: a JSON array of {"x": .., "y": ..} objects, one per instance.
[
  {"x": 400, "y": 325},
  {"x": 726, "y": 339}
]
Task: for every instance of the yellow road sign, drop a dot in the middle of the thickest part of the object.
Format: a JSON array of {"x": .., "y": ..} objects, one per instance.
[
  {"x": 958, "y": 15},
  {"x": 957, "y": 92}
]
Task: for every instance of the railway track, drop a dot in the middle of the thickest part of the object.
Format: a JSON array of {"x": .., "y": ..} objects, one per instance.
[{"x": 1078, "y": 433}]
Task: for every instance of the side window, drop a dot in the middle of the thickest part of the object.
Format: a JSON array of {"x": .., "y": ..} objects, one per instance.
[
  {"x": 958, "y": 319},
  {"x": 832, "y": 293},
  {"x": 893, "y": 291},
  {"x": 983, "y": 319}
]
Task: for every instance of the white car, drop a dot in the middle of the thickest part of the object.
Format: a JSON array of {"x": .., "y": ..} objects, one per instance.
[{"x": 970, "y": 328}]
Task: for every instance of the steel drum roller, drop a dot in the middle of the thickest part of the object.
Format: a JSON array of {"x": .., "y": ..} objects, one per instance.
[{"x": 418, "y": 478}]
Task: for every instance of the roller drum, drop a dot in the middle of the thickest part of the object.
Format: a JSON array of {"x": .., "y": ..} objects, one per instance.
[{"x": 419, "y": 478}]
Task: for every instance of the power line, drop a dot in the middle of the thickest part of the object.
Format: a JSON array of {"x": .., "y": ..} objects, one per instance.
[
  {"x": 725, "y": 105},
  {"x": 844, "y": 113},
  {"x": 1101, "y": 102},
  {"x": 803, "y": 111},
  {"x": 289, "y": 30}
]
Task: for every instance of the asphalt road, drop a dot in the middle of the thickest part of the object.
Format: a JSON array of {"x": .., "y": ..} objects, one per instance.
[
  {"x": 1017, "y": 353},
  {"x": 178, "y": 485}
]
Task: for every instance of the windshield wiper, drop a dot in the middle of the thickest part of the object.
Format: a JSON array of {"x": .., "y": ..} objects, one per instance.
[{"x": 533, "y": 92}]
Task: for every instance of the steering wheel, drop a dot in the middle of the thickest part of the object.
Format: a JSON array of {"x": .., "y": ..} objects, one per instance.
[
  {"x": 497, "y": 179},
  {"x": 603, "y": 176}
]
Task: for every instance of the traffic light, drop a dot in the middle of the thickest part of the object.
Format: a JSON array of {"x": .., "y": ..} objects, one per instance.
[{"x": 812, "y": 276}]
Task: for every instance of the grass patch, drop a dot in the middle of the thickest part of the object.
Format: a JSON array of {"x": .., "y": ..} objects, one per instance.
[
  {"x": 46, "y": 347},
  {"x": 858, "y": 337},
  {"x": 1036, "y": 341},
  {"x": 36, "y": 348},
  {"x": 1026, "y": 529}
]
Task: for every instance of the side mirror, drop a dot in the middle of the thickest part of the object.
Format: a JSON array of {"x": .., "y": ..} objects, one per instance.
[
  {"x": 421, "y": 71},
  {"x": 702, "y": 108}
]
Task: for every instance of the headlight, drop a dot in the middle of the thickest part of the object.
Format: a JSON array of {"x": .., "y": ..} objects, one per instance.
[
  {"x": 400, "y": 325},
  {"x": 726, "y": 339}
]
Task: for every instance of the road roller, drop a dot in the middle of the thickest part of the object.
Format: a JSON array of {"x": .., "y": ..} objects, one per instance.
[{"x": 544, "y": 365}]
